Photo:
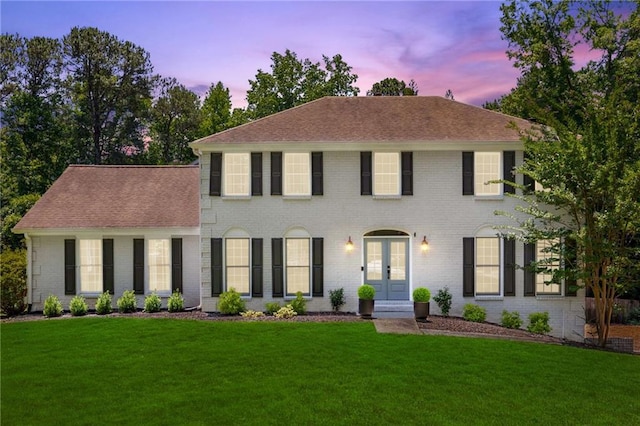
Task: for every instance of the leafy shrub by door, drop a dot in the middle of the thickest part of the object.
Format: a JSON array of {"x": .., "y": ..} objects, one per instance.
[
  {"x": 13, "y": 281},
  {"x": 104, "y": 304},
  {"x": 474, "y": 313},
  {"x": 443, "y": 299},
  {"x": 337, "y": 298},
  {"x": 78, "y": 306},
  {"x": 152, "y": 303},
  {"x": 421, "y": 294},
  {"x": 299, "y": 304},
  {"x": 539, "y": 323},
  {"x": 52, "y": 306},
  {"x": 175, "y": 302},
  {"x": 230, "y": 303},
  {"x": 127, "y": 302},
  {"x": 366, "y": 292},
  {"x": 511, "y": 319}
]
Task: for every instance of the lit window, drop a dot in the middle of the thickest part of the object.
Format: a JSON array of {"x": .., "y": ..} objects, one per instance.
[
  {"x": 297, "y": 174},
  {"x": 487, "y": 168},
  {"x": 236, "y": 174},
  {"x": 298, "y": 270},
  {"x": 237, "y": 264},
  {"x": 548, "y": 260},
  {"x": 159, "y": 265},
  {"x": 91, "y": 266},
  {"x": 488, "y": 266},
  {"x": 386, "y": 173}
]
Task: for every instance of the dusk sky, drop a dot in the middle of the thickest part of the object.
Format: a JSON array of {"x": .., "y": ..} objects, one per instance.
[{"x": 442, "y": 45}]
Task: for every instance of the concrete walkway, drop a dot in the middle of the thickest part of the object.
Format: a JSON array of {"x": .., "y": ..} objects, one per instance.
[{"x": 396, "y": 325}]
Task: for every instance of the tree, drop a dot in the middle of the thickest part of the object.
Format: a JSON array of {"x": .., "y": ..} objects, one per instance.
[
  {"x": 393, "y": 87},
  {"x": 110, "y": 83},
  {"x": 11, "y": 46},
  {"x": 586, "y": 156},
  {"x": 293, "y": 82},
  {"x": 216, "y": 110}
]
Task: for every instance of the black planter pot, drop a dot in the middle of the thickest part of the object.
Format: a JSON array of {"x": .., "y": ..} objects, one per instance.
[
  {"x": 365, "y": 308},
  {"x": 421, "y": 311}
]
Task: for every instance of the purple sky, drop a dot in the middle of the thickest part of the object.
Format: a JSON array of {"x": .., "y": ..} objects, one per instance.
[{"x": 440, "y": 44}]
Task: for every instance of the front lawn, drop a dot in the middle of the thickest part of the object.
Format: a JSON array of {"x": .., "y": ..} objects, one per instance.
[{"x": 164, "y": 371}]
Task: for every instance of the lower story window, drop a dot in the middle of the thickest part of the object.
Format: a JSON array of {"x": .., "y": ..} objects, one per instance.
[
  {"x": 237, "y": 264},
  {"x": 159, "y": 265},
  {"x": 487, "y": 266},
  {"x": 91, "y": 266},
  {"x": 546, "y": 259},
  {"x": 298, "y": 266}
]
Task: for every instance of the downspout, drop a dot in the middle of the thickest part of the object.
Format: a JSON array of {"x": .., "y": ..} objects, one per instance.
[
  {"x": 199, "y": 154},
  {"x": 29, "y": 272}
]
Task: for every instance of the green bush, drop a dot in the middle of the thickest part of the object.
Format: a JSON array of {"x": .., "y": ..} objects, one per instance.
[
  {"x": 127, "y": 302},
  {"x": 104, "y": 304},
  {"x": 633, "y": 317},
  {"x": 539, "y": 323},
  {"x": 175, "y": 302},
  {"x": 78, "y": 306},
  {"x": 366, "y": 292},
  {"x": 152, "y": 303},
  {"x": 474, "y": 313},
  {"x": 337, "y": 298},
  {"x": 230, "y": 302},
  {"x": 272, "y": 307},
  {"x": 13, "y": 281},
  {"x": 251, "y": 314},
  {"x": 299, "y": 304},
  {"x": 285, "y": 312},
  {"x": 511, "y": 319},
  {"x": 52, "y": 306},
  {"x": 443, "y": 299},
  {"x": 421, "y": 294}
]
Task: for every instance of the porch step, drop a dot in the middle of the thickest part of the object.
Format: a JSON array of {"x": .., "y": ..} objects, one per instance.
[{"x": 393, "y": 306}]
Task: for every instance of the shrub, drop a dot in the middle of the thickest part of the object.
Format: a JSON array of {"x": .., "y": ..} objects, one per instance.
[
  {"x": 421, "y": 294},
  {"x": 299, "y": 304},
  {"x": 272, "y": 307},
  {"x": 511, "y": 319},
  {"x": 285, "y": 312},
  {"x": 127, "y": 302},
  {"x": 443, "y": 299},
  {"x": 366, "y": 292},
  {"x": 152, "y": 303},
  {"x": 337, "y": 298},
  {"x": 175, "y": 302},
  {"x": 230, "y": 302},
  {"x": 474, "y": 313},
  {"x": 78, "y": 306},
  {"x": 633, "y": 317},
  {"x": 252, "y": 314},
  {"x": 13, "y": 281},
  {"x": 539, "y": 323},
  {"x": 52, "y": 306},
  {"x": 103, "y": 304}
]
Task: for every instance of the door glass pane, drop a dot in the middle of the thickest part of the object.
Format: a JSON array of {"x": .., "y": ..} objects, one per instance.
[
  {"x": 398, "y": 260},
  {"x": 374, "y": 260}
]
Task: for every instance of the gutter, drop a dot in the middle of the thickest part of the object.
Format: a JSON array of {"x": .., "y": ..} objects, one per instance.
[{"x": 29, "y": 272}]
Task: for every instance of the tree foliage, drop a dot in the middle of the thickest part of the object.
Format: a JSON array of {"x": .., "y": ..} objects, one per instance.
[
  {"x": 393, "y": 87},
  {"x": 586, "y": 157},
  {"x": 13, "y": 282}
]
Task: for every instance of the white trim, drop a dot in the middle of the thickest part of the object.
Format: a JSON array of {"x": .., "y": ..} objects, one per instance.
[{"x": 107, "y": 232}]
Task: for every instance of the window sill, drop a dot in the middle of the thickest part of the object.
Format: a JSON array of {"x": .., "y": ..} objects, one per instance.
[
  {"x": 296, "y": 197},
  {"x": 293, "y": 297},
  {"x": 489, "y": 197},
  {"x": 549, "y": 296},
  {"x": 387, "y": 197},
  {"x": 236, "y": 197},
  {"x": 489, "y": 298}
]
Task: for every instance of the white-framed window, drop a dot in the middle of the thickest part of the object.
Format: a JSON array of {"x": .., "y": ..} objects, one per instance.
[
  {"x": 486, "y": 168},
  {"x": 237, "y": 271},
  {"x": 159, "y": 257},
  {"x": 91, "y": 266},
  {"x": 237, "y": 174},
  {"x": 298, "y": 266},
  {"x": 386, "y": 173},
  {"x": 297, "y": 174},
  {"x": 548, "y": 260},
  {"x": 487, "y": 266}
]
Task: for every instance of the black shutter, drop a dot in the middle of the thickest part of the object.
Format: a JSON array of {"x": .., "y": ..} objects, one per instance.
[
  {"x": 317, "y": 273},
  {"x": 467, "y": 173},
  {"x": 316, "y": 174},
  {"x": 277, "y": 267},
  {"x": 527, "y": 181},
  {"x": 138, "y": 265},
  {"x": 509, "y": 267},
  {"x": 256, "y": 173},
  {"x": 215, "y": 174},
  {"x": 107, "y": 266},
  {"x": 508, "y": 163},
  {"x": 176, "y": 264},
  {"x": 407, "y": 173},
  {"x": 529, "y": 272},
  {"x": 69, "y": 266},
  {"x": 570, "y": 283},
  {"x": 256, "y": 267},
  {"x": 366, "y": 177},
  {"x": 216, "y": 266},
  {"x": 276, "y": 173},
  {"x": 468, "y": 267}
]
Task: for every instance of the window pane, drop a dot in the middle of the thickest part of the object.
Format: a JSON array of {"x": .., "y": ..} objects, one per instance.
[
  {"x": 487, "y": 265},
  {"x": 487, "y": 168},
  {"x": 236, "y": 174},
  {"x": 237, "y": 264},
  {"x": 297, "y": 174},
  {"x": 238, "y": 278},
  {"x": 386, "y": 169},
  {"x": 159, "y": 265},
  {"x": 91, "y": 266},
  {"x": 297, "y": 252},
  {"x": 374, "y": 260},
  {"x": 398, "y": 260},
  {"x": 298, "y": 271},
  {"x": 549, "y": 260}
]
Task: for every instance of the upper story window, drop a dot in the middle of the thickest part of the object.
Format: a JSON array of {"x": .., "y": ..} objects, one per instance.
[
  {"x": 91, "y": 266},
  {"x": 235, "y": 174},
  {"x": 297, "y": 174},
  {"x": 386, "y": 173},
  {"x": 479, "y": 169},
  {"x": 486, "y": 169},
  {"x": 237, "y": 170}
]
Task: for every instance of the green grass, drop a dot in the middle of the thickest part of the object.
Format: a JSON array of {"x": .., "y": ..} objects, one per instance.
[{"x": 162, "y": 371}]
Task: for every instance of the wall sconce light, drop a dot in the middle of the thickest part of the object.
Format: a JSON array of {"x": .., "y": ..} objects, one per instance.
[
  {"x": 349, "y": 246},
  {"x": 424, "y": 245}
]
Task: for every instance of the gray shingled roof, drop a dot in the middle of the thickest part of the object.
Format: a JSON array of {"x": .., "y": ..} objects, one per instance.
[
  {"x": 375, "y": 119},
  {"x": 88, "y": 197}
]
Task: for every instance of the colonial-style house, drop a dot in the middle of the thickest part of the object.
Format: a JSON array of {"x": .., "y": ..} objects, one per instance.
[{"x": 114, "y": 228}]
